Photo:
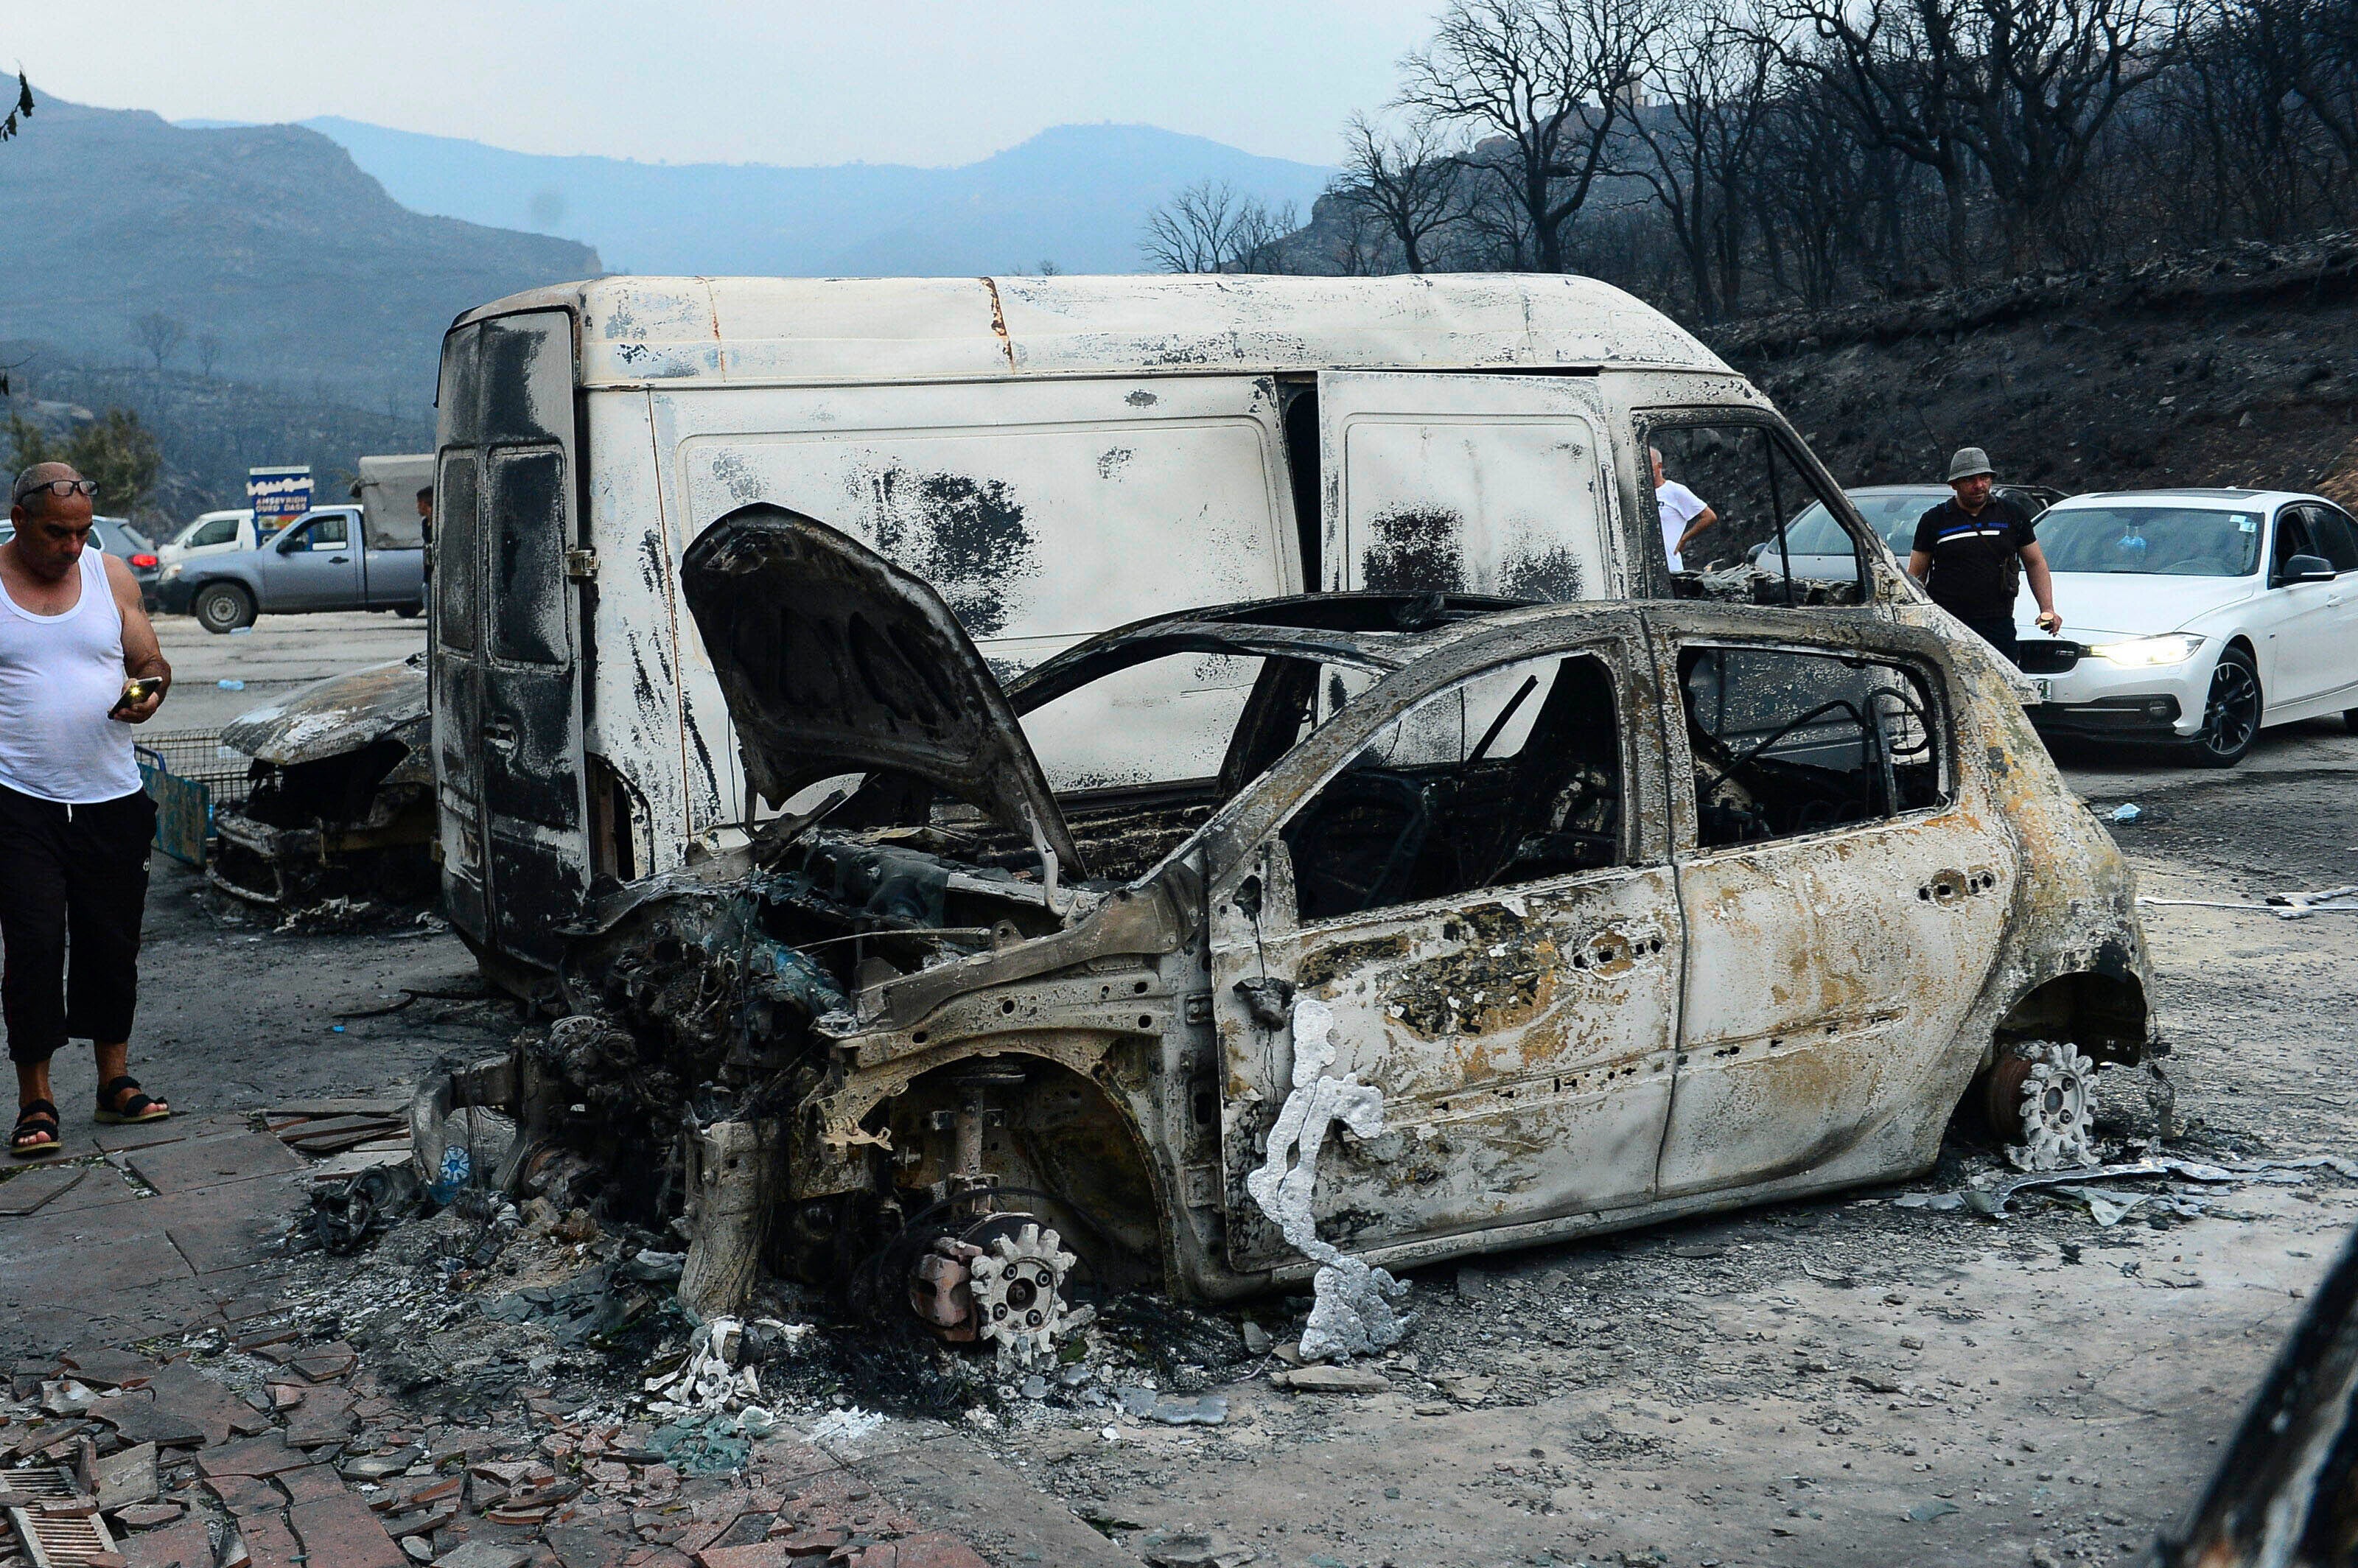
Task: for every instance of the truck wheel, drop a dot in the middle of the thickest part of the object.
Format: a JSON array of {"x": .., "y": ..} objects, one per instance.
[
  {"x": 409, "y": 611},
  {"x": 222, "y": 607}
]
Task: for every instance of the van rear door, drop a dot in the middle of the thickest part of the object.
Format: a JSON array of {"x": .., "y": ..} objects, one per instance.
[
  {"x": 507, "y": 695},
  {"x": 1468, "y": 483}
]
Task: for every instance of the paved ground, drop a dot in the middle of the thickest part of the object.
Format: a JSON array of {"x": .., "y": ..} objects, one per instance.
[{"x": 1829, "y": 1383}]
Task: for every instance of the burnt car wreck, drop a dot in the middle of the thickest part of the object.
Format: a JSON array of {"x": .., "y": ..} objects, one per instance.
[
  {"x": 1492, "y": 924},
  {"x": 340, "y": 803}
]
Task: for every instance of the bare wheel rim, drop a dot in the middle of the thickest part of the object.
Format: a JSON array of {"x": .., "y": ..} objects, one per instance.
[
  {"x": 220, "y": 609},
  {"x": 2232, "y": 712}
]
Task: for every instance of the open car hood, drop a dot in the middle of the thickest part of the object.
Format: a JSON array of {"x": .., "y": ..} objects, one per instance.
[{"x": 835, "y": 661}]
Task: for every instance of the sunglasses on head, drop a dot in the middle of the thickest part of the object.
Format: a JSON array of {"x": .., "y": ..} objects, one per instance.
[{"x": 58, "y": 487}]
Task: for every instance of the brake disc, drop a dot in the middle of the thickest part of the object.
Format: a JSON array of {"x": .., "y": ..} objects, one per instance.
[
  {"x": 2054, "y": 1107},
  {"x": 1018, "y": 1283}
]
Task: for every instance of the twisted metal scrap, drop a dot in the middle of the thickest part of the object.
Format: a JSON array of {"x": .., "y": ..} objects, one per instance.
[{"x": 1352, "y": 1314}]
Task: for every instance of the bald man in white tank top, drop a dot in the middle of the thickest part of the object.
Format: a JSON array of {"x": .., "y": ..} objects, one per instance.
[{"x": 74, "y": 824}]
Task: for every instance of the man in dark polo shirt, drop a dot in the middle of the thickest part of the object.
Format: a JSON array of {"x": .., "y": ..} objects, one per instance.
[{"x": 1966, "y": 554}]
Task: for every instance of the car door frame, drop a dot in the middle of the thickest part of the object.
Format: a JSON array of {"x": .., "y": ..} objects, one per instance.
[
  {"x": 1880, "y": 574},
  {"x": 1900, "y": 1039},
  {"x": 2300, "y": 618},
  {"x": 1255, "y": 938},
  {"x": 299, "y": 587}
]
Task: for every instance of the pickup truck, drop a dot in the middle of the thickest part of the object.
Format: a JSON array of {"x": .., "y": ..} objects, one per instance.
[{"x": 319, "y": 561}]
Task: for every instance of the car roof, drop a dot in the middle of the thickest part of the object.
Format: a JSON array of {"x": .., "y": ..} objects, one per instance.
[
  {"x": 637, "y": 331},
  {"x": 1930, "y": 489},
  {"x": 2222, "y": 500}
]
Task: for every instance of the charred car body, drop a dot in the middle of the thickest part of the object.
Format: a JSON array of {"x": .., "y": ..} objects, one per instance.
[
  {"x": 342, "y": 797},
  {"x": 1574, "y": 917}
]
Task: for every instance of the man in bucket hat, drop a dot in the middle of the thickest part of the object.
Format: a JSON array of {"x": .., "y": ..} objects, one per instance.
[{"x": 1972, "y": 551}]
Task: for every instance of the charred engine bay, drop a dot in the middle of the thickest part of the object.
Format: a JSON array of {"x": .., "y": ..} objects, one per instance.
[{"x": 696, "y": 1008}]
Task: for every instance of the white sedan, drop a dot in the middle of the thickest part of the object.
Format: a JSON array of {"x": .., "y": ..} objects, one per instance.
[{"x": 2195, "y": 616}]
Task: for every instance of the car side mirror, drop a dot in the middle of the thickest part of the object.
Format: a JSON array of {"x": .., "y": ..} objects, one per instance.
[
  {"x": 2308, "y": 569},
  {"x": 289, "y": 545}
]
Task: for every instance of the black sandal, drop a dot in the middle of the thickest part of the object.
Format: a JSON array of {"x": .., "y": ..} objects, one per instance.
[
  {"x": 135, "y": 1106},
  {"x": 35, "y": 1116}
]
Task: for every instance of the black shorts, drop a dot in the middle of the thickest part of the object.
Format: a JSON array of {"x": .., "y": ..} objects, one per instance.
[{"x": 79, "y": 870}]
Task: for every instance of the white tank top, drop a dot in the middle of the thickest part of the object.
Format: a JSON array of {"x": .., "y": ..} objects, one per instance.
[{"x": 58, "y": 677}]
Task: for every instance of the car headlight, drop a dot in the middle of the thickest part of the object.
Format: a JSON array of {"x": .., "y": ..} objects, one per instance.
[
  {"x": 2145, "y": 652},
  {"x": 170, "y": 573}
]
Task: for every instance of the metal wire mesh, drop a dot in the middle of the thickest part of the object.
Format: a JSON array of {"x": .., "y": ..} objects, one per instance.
[{"x": 198, "y": 755}]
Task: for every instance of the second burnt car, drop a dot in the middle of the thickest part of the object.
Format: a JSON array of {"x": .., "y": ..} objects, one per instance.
[{"x": 1573, "y": 916}]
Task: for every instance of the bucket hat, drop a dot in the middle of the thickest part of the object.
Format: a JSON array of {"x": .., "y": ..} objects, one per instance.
[{"x": 1969, "y": 461}]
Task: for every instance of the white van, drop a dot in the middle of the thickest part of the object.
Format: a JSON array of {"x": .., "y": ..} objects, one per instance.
[{"x": 1056, "y": 455}]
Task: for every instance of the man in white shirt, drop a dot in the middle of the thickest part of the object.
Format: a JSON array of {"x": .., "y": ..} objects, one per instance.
[{"x": 1684, "y": 514}]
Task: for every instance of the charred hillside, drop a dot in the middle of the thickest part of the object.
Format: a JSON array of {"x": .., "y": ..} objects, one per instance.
[{"x": 2236, "y": 366}]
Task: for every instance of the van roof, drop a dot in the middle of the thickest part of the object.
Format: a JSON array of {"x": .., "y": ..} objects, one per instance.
[{"x": 637, "y": 331}]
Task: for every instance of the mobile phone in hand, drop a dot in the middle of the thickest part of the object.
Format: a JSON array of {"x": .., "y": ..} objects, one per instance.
[{"x": 136, "y": 690}]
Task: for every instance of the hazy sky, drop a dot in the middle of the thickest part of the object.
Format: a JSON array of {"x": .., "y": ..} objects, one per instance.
[{"x": 785, "y": 82}]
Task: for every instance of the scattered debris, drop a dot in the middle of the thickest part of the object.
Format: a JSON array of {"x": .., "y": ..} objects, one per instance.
[{"x": 2129, "y": 811}]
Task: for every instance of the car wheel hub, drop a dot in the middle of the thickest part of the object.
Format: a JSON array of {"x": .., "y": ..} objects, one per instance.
[{"x": 2054, "y": 1108}]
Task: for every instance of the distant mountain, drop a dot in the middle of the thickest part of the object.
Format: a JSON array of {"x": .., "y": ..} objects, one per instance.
[
  {"x": 268, "y": 239},
  {"x": 1078, "y": 196}
]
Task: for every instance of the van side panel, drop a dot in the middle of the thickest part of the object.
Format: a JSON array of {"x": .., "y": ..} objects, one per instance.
[
  {"x": 1044, "y": 512},
  {"x": 1468, "y": 483}
]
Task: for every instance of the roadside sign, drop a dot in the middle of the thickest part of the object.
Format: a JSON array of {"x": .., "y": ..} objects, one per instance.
[{"x": 278, "y": 496}]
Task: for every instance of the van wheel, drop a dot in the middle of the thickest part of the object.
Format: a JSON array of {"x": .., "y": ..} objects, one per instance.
[
  {"x": 2231, "y": 715},
  {"x": 409, "y": 611},
  {"x": 222, "y": 607},
  {"x": 2350, "y": 717}
]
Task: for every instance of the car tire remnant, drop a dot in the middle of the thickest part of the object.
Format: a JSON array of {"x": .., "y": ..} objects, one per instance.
[
  {"x": 1352, "y": 1312},
  {"x": 2047, "y": 1083}
]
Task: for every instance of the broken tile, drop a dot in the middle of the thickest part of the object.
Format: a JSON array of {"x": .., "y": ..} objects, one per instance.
[
  {"x": 271, "y": 1542},
  {"x": 762, "y": 1554},
  {"x": 145, "y": 1515},
  {"x": 130, "y": 1477},
  {"x": 184, "y": 1545},
  {"x": 1323, "y": 1380},
  {"x": 259, "y": 1456},
  {"x": 484, "y": 1554},
  {"x": 931, "y": 1550},
  {"x": 324, "y": 1416},
  {"x": 243, "y": 1495},
  {"x": 588, "y": 1546},
  {"x": 339, "y": 1530},
  {"x": 312, "y": 1483},
  {"x": 107, "y": 1367},
  {"x": 326, "y": 1363},
  {"x": 29, "y": 1191},
  {"x": 192, "y": 1164}
]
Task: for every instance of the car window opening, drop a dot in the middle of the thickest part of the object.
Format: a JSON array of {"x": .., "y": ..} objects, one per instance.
[
  {"x": 1511, "y": 777},
  {"x": 1772, "y": 538},
  {"x": 1787, "y": 744}
]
